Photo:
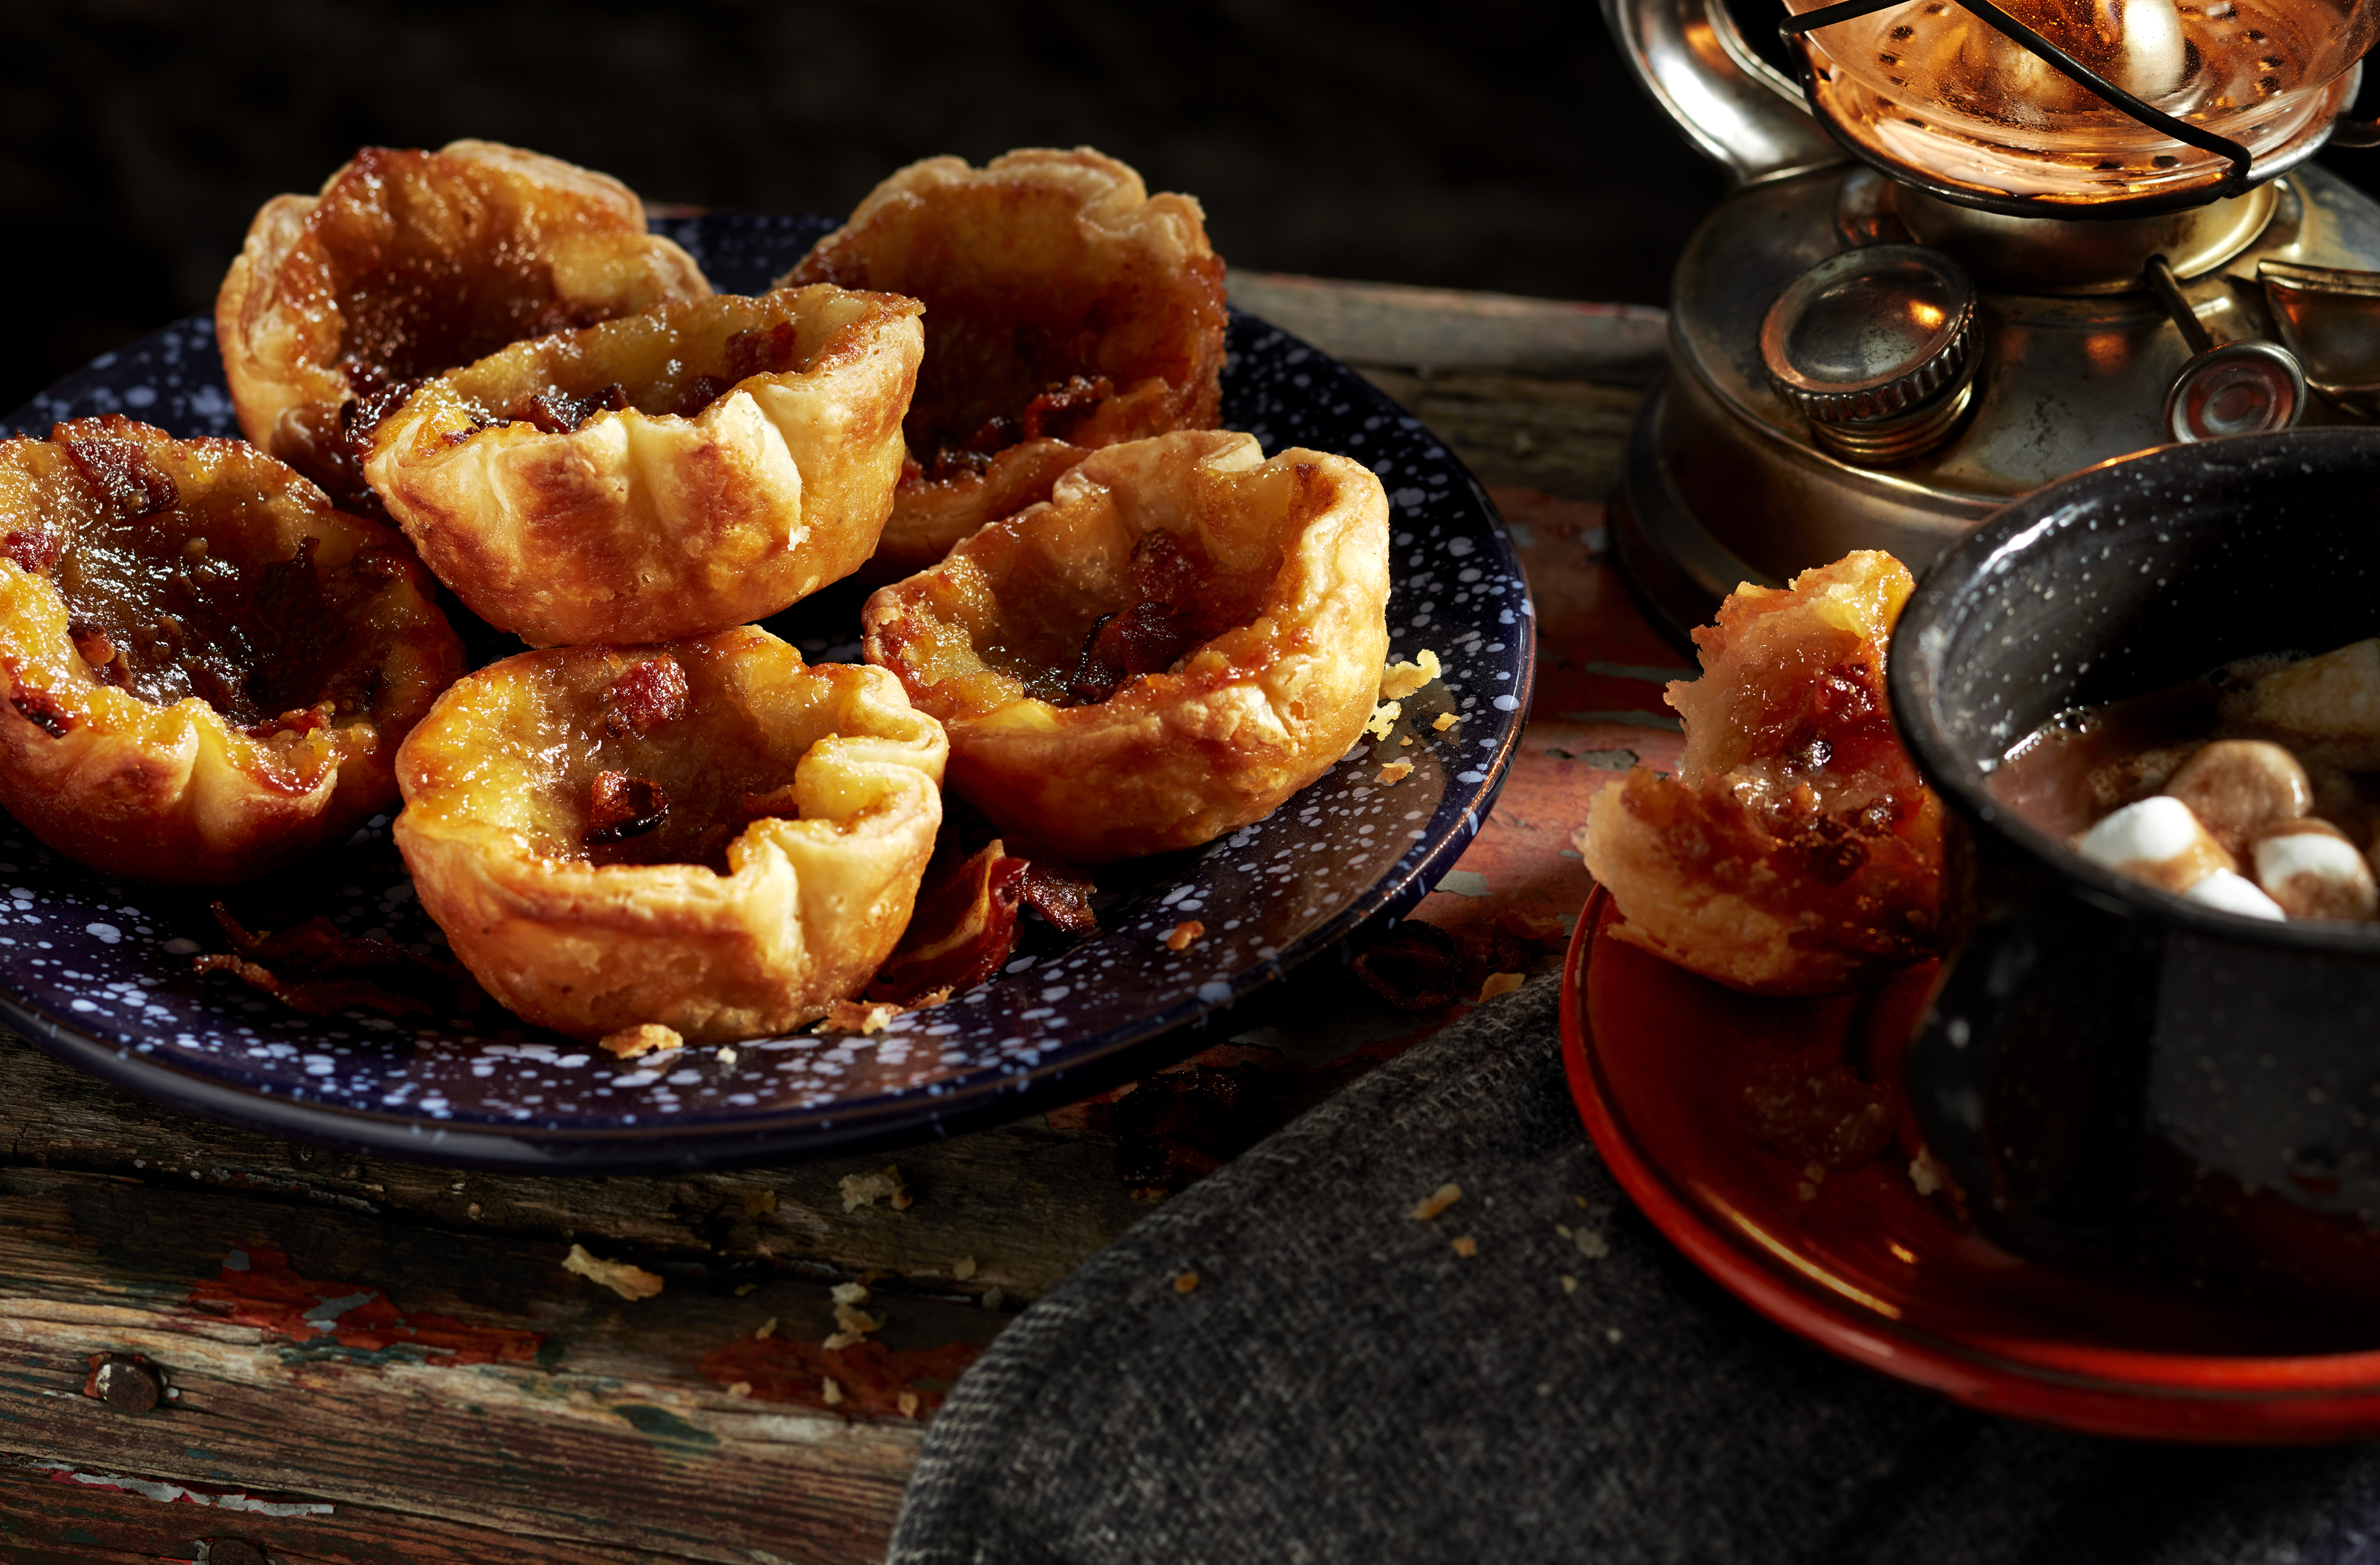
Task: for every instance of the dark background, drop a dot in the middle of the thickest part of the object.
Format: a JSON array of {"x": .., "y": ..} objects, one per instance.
[
  {"x": 1496, "y": 144},
  {"x": 1493, "y": 145}
]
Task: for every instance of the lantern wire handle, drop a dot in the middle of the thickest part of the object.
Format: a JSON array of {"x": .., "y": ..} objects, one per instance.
[{"x": 2074, "y": 70}]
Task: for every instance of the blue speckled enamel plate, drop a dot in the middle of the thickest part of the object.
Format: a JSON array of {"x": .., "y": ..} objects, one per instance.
[{"x": 99, "y": 972}]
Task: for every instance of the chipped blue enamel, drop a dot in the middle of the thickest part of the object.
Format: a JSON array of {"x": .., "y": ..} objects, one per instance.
[{"x": 99, "y": 972}]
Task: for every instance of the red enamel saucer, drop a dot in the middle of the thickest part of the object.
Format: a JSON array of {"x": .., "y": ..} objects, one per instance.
[{"x": 1863, "y": 1265}]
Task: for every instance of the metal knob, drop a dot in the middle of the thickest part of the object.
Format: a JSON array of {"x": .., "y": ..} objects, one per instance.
[
  {"x": 2243, "y": 387},
  {"x": 1876, "y": 347}
]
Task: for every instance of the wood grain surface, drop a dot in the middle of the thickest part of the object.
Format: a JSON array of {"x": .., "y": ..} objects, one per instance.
[{"x": 368, "y": 1361}]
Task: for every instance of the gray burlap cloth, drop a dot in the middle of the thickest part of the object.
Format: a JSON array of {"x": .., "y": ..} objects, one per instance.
[{"x": 1343, "y": 1384}]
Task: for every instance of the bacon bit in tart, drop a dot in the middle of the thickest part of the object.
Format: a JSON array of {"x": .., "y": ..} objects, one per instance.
[
  {"x": 645, "y": 1038},
  {"x": 648, "y": 693},
  {"x": 43, "y": 711},
  {"x": 1186, "y": 934},
  {"x": 962, "y": 930},
  {"x": 620, "y": 807},
  {"x": 320, "y": 970},
  {"x": 1397, "y": 771},
  {"x": 303, "y": 720},
  {"x": 631, "y": 1282},
  {"x": 1061, "y": 894},
  {"x": 1401, "y": 680},
  {"x": 1437, "y": 1201},
  {"x": 1169, "y": 617}
]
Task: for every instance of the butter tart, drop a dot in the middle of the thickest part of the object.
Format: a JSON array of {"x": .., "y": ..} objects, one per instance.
[
  {"x": 703, "y": 835},
  {"x": 670, "y": 474},
  {"x": 1182, "y": 636},
  {"x": 208, "y": 669},
  {"x": 408, "y": 263},
  {"x": 1796, "y": 850},
  {"x": 1067, "y": 309}
]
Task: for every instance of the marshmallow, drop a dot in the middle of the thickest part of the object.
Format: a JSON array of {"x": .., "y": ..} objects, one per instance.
[
  {"x": 2159, "y": 841},
  {"x": 2233, "y": 894},
  {"x": 2238, "y": 787},
  {"x": 2334, "y": 697},
  {"x": 2313, "y": 871}
]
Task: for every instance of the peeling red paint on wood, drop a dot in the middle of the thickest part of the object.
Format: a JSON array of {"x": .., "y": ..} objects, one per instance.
[
  {"x": 258, "y": 1288},
  {"x": 872, "y": 1377}
]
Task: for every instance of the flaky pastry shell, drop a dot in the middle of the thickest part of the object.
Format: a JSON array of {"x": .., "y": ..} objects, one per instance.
[
  {"x": 1067, "y": 309},
  {"x": 208, "y": 669},
  {"x": 408, "y": 263},
  {"x": 667, "y": 475},
  {"x": 707, "y": 835},
  {"x": 1264, "y": 587},
  {"x": 1796, "y": 849}
]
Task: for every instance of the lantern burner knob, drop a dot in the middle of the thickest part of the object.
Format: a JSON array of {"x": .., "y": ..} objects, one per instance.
[{"x": 1876, "y": 347}]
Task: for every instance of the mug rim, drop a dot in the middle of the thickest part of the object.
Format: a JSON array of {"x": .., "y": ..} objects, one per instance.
[{"x": 1944, "y": 598}]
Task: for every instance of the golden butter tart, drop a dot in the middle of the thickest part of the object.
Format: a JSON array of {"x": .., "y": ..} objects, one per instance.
[
  {"x": 1067, "y": 309},
  {"x": 408, "y": 263},
  {"x": 705, "y": 835},
  {"x": 1796, "y": 850},
  {"x": 1182, "y": 636},
  {"x": 667, "y": 475},
  {"x": 208, "y": 669}
]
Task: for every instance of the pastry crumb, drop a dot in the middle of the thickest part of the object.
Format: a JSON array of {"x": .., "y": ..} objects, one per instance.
[
  {"x": 767, "y": 1329},
  {"x": 757, "y": 1202},
  {"x": 1466, "y": 1247},
  {"x": 1396, "y": 771},
  {"x": 965, "y": 1269},
  {"x": 1185, "y": 1283},
  {"x": 1613, "y": 1334},
  {"x": 830, "y": 1392},
  {"x": 1400, "y": 680},
  {"x": 849, "y": 1293},
  {"x": 1384, "y": 717},
  {"x": 866, "y": 1190},
  {"x": 1499, "y": 984},
  {"x": 1186, "y": 934},
  {"x": 1437, "y": 1201},
  {"x": 1444, "y": 722},
  {"x": 850, "y": 1016},
  {"x": 631, "y": 1282},
  {"x": 741, "y": 1388},
  {"x": 1569, "y": 1283},
  {"x": 1925, "y": 1174},
  {"x": 908, "y": 1402},
  {"x": 744, "y": 1288},
  {"x": 646, "y": 1038},
  {"x": 1591, "y": 1244},
  {"x": 727, "y": 1055}
]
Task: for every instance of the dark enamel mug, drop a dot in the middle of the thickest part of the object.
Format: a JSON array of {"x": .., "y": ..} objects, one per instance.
[{"x": 2112, "y": 1076}]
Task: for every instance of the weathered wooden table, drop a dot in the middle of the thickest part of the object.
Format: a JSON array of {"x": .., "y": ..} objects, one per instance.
[{"x": 354, "y": 1359}]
